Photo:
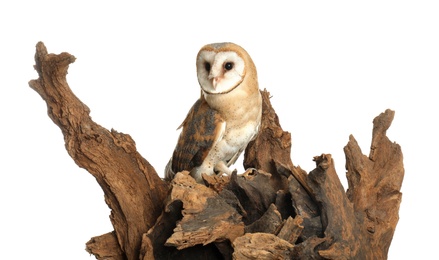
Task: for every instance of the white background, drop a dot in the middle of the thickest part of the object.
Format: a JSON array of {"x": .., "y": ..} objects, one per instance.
[{"x": 331, "y": 67}]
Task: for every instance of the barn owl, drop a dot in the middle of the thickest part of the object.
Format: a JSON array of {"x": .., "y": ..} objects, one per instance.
[{"x": 225, "y": 118}]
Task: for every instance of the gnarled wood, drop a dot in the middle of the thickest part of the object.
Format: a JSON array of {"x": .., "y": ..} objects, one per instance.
[
  {"x": 132, "y": 188},
  {"x": 255, "y": 246},
  {"x": 342, "y": 237},
  {"x": 276, "y": 211},
  {"x": 105, "y": 247},
  {"x": 291, "y": 229},
  {"x": 207, "y": 217},
  {"x": 375, "y": 184},
  {"x": 272, "y": 144}
]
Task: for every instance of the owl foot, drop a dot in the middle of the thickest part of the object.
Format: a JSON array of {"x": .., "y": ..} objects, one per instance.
[
  {"x": 229, "y": 173},
  {"x": 222, "y": 168}
]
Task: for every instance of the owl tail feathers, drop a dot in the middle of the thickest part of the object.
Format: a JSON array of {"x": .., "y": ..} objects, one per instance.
[{"x": 169, "y": 174}]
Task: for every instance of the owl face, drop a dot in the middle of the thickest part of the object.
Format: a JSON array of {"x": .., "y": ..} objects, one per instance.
[{"x": 219, "y": 71}]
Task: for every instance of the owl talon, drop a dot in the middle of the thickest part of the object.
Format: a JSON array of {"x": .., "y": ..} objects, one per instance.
[
  {"x": 224, "y": 173},
  {"x": 229, "y": 173}
]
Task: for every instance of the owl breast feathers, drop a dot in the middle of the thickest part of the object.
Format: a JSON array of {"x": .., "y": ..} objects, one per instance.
[{"x": 224, "y": 119}]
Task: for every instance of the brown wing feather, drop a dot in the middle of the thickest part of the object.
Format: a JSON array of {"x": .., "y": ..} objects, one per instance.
[{"x": 201, "y": 129}]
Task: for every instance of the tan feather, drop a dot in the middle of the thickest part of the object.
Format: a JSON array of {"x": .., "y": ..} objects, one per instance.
[{"x": 202, "y": 128}]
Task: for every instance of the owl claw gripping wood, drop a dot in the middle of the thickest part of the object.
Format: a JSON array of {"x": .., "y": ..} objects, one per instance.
[{"x": 224, "y": 119}]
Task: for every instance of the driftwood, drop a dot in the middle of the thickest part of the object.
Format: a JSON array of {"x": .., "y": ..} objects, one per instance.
[{"x": 277, "y": 211}]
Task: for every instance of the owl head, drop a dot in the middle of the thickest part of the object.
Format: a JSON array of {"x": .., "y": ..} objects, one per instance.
[{"x": 222, "y": 67}]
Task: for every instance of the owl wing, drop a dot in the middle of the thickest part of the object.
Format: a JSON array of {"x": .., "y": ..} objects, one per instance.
[{"x": 202, "y": 129}]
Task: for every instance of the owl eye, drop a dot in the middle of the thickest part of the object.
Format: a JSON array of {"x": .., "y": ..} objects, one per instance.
[
  {"x": 207, "y": 66},
  {"x": 228, "y": 65}
]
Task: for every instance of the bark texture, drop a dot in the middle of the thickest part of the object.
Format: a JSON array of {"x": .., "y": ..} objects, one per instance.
[
  {"x": 275, "y": 211},
  {"x": 132, "y": 188}
]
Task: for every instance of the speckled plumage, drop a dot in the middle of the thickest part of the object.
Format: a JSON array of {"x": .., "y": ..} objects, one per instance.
[{"x": 224, "y": 119}]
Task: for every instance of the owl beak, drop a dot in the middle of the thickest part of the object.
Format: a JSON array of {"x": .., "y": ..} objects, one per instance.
[{"x": 215, "y": 80}]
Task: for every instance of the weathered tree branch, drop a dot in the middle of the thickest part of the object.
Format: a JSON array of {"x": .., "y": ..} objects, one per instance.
[
  {"x": 105, "y": 247},
  {"x": 277, "y": 211},
  {"x": 375, "y": 184},
  {"x": 132, "y": 188}
]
